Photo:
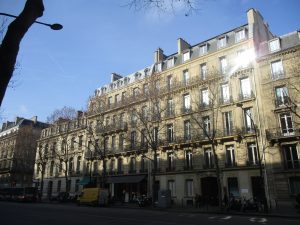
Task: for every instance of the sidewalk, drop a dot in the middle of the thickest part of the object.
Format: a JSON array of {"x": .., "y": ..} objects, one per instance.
[{"x": 282, "y": 213}]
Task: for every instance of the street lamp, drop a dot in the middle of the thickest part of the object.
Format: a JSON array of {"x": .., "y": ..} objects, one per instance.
[
  {"x": 55, "y": 26},
  {"x": 262, "y": 180}
]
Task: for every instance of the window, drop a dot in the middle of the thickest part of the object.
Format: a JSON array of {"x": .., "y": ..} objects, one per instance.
[
  {"x": 122, "y": 118},
  {"x": 252, "y": 154},
  {"x": 223, "y": 64},
  {"x": 277, "y": 69},
  {"x": 169, "y": 82},
  {"x": 146, "y": 89},
  {"x": 206, "y": 126},
  {"x": 143, "y": 164},
  {"x": 112, "y": 166},
  {"x": 208, "y": 157},
  {"x": 77, "y": 185},
  {"x": 158, "y": 67},
  {"x": 71, "y": 166},
  {"x": 274, "y": 45},
  {"x": 230, "y": 156},
  {"x": 171, "y": 187},
  {"x": 132, "y": 165},
  {"x": 170, "y": 133},
  {"x": 291, "y": 156},
  {"x": 245, "y": 88},
  {"x": 286, "y": 124},
  {"x": 72, "y": 142},
  {"x": 225, "y": 93},
  {"x": 222, "y": 42},
  {"x": 113, "y": 143},
  {"x": 227, "y": 122},
  {"x": 80, "y": 141},
  {"x": 51, "y": 168},
  {"x": 249, "y": 126},
  {"x": 144, "y": 114},
  {"x": 170, "y": 107},
  {"x": 120, "y": 165},
  {"x": 135, "y": 92},
  {"x": 121, "y": 142},
  {"x": 189, "y": 188},
  {"x": 60, "y": 167},
  {"x": 294, "y": 185},
  {"x": 95, "y": 169},
  {"x": 243, "y": 58},
  {"x": 171, "y": 163},
  {"x": 170, "y": 62},
  {"x": 203, "y": 49},
  {"x": 281, "y": 95},
  {"x": 233, "y": 187},
  {"x": 186, "y": 56},
  {"x": 240, "y": 35},
  {"x": 186, "y": 103},
  {"x": 109, "y": 101},
  {"x": 117, "y": 98},
  {"x": 47, "y": 149},
  {"x": 155, "y": 134},
  {"x": 205, "y": 98},
  {"x": 78, "y": 164},
  {"x": 144, "y": 138},
  {"x": 133, "y": 139},
  {"x": 58, "y": 186},
  {"x": 186, "y": 77},
  {"x": 188, "y": 159},
  {"x": 203, "y": 71},
  {"x": 123, "y": 96},
  {"x": 134, "y": 117},
  {"x": 187, "y": 130}
]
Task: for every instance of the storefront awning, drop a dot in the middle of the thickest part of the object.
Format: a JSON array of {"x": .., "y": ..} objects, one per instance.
[
  {"x": 84, "y": 181},
  {"x": 125, "y": 179}
]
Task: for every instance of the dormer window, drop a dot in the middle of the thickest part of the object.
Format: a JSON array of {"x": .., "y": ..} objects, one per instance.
[
  {"x": 203, "y": 49},
  {"x": 222, "y": 42},
  {"x": 158, "y": 67},
  {"x": 274, "y": 45},
  {"x": 170, "y": 62},
  {"x": 186, "y": 56},
  {"x": 240, "y": 35}
]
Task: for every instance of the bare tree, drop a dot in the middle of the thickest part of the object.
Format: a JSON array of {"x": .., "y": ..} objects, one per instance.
[
  {"x": 10, "y": 45},
  {"x": 65, "y": 113},
  {"x": 208, "y": 123},
  {"x": 41, "y": 163}
]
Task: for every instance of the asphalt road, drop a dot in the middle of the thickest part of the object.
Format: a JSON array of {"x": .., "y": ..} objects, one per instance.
[{"x": 57, "y": 214}]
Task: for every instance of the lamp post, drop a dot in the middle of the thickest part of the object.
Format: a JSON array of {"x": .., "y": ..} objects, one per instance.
[
  {"x": 262, "y": 180},
  {"x": 55, "y": 26}
]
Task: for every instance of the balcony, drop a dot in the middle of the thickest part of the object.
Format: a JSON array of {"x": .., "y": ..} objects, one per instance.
[
  {"x": 229, "y": 132},
  {"x": 225, "y": 101},
  {"x": 132, "y": 171},
  {"x": 246, "y": 96},
  {"x": 276, "y": 134},
  {"x": 170, "y": 169},
  {"x": 230, "y": 164},
  {"x": 208, "y": 166},
  {"x": 283, "y": 102},
  {"x": 187, "y": 168},
  {"x": 204, "y": 106},
  {"x": 249, "y": 131},
  {"x": 251, "y": 163},
  {"x": 186, "y": 110},
  {"x": 170, "y": 113},
  {"x": 117, "y": 127}
]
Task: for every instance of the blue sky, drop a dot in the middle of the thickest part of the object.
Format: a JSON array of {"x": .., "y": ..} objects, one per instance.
[{"x": 63, "y": 68}]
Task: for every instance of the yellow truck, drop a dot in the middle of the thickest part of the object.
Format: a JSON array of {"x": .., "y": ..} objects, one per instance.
[{"x": 93, "y": 196}]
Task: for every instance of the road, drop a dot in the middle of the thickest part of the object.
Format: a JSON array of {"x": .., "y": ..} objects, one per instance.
[{"x": 56, "y": 214}]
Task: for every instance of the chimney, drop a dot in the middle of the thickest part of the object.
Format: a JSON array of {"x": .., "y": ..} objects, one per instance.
[
  {"x": 34, "y": 119},
  {"x": 159, "y": 55},
  {"x": 114, "y": 77},
  {"x": 182, "y": 45},
  {"x": 4, "y": 126}
]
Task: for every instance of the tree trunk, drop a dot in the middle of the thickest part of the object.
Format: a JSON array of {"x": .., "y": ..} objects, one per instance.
[
  {"x": 218, "y": 174},
  {"x": 10, "y": 45},
  {"x": 42, "y": 185}
]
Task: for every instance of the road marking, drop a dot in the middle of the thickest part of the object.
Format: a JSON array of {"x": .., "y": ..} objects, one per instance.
[{"x": 226, "y": 218}]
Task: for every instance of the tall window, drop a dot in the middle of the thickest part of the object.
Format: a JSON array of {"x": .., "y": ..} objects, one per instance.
[
  {"x": 230, "y": 156},
  {"x": 294, "y": 182},
  {"x": 95, "y": 169},
  {"x": 222, "y": 42},
  {"x": 135, "y": 92},
  {"x": 240, "y": 35},
  {"x": 233, "y": 187},
  {"x": 245, "y": 88},
  {"x": 225, "y": 93},
  {"x": 204, "y": 97},
  {"x": 169, "y": 82},
  {"x": 281, "y": 94},
  {"x": 71, "y": 165},
  {"x": 252, "y": 154},
  {"x": 170, "y": 107},
  {"x": 171, "y": 187},
  {"x": 189, "y": 188},
  {"x": 223, "y": 64},
  {"x": 187, "y": 130},
  {"x": 144, "y": 113},
  {"x": 208, "y": 157},
  {"x": 117, "y": 98},
  {"x": 143, "y": 164},
  {"x": 203, "y": 71},
  {"x": 291, "y": 156},
  {"x": 186, "y": 77},
  {"x": 286, "y": 124},
  {"x": 112, "y": 165},
  {"x": 243, "y": 59},
  {"x": 121, "y": 142},
  {"x": 120, "y": 165},
  {"x": 58, "y": 186},
  {"x": 188, "y": 159},
  {"x": 133, "y": 139},
  {"x": 146, "y": 89},
  {"x": 78, "y": 164},
  {"x": 170, "y": 62},
  {"x": 186, "y": 103},
  {"x": 132, "y": 165},
  {"x": 143, "y": 138},
  {"x": 110, "y": 101},
  {"x": 227, "y": 123},
  {"x": 206, "y": 126},
  {"x": 51, "y": 168},
  {"x": 248, "y": 120},
  {"x": 171, "y": 161},
  {"x": 106, "y": 142},
  {"x": 77, "y": 185},
  {"x": 80, "y": 141},
  {"x": 113, "y": 143},
  {"x": 170, "y": 133},
  {"x": 277, "y": 69}
]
